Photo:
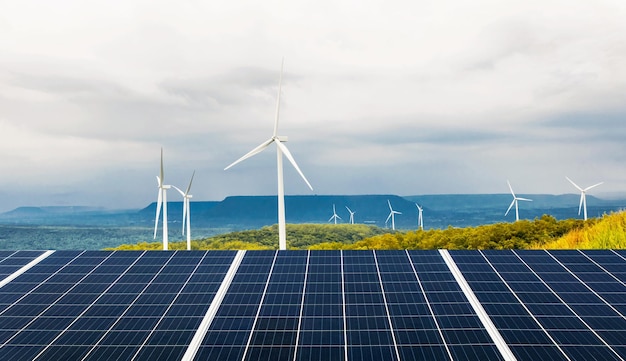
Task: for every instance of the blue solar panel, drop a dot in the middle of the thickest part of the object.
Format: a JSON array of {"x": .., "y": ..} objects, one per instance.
[
  {"x": 540, "y": 307},
  {"x": 315, "y": 305},
  {"x": 124, "y": 317}
]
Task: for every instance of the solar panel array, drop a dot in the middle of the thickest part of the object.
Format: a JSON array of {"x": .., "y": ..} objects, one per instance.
[{"x": 313, "y": 305}]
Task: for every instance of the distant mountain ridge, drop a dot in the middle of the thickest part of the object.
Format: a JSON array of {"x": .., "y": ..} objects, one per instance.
[{"x": 246, "y": 212}]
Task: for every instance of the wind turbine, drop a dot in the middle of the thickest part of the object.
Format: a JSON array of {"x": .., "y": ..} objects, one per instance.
[
  {"x": 583, "y": 197},
  {"x": 351, "y": 215},
  {"x": 334, "y": 216},
  {"x": 391, "y": 215},
  {"x": 420, "y": 220},
  {"x": 161, "y": 201},
  {"x": 515, "y": 199},
  {"x": 187, "y": 210},
  {"x": 280, "y": 150}
]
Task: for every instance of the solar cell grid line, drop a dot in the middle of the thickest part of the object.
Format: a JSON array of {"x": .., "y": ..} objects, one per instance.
[
  {"x": 274, "y": 333},
  {"x": 603, "y": 267},
  {"x": 574, "y": 338},
  {"x": 382, "y": 288},
  {"x": 54, "y": 300},
  {"x": 430, "y": 308},
  {"x": 14, "y": 265},
  {"x": 227, "y": 336},
  {"x": 321, "y": 332},
  {"x": 343, "y": 308},
  {"x": 565, "y": 336},
  {"x": 461, "y": 327},
  {"x": 23, "y": 286},
  {"x": 368, "y": 331},
  {"x": 418, "y": 335},
  {"x": 58, "y": 331},
  {"x": 526, "y": 336},
  {"x": 201, "y": 331},
  {"x": 306, "y": 273},
  {"x": 586, "y": 285},
  {"x": 108, "y": 345}
]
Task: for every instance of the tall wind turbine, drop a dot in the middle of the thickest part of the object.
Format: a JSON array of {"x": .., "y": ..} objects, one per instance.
[
  {"x": 515, "y": 199},
  {"x": 187, "y": 210},
  {"x": 280, "y": 150},
  {"x": 161, "y": 201},
  {"x": 334, "y": 216},
  {"x": 351, "y": 215},
  {"x": 391, "y": 215},
  {"x": 583, "y": 197},
  {"x": 420, "y": 220}
]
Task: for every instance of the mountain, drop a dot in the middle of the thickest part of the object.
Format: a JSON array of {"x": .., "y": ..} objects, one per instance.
[{"x": 248, "y": 212}]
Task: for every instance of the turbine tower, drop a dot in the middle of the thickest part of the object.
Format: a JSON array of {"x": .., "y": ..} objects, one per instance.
[
  {"x": 334, "y": 216},
  {"x": 583, "y": 197},
  {"x": 351, "y": 215},
  {"x": 280, "y": 150},
  {"x": 515, "y": 199},
  {"x": 161, "y": 201},
  {"x": 391, "y": 215},
  {"x": 187, "y": 211},
  {"x": 420, "y": 220}
]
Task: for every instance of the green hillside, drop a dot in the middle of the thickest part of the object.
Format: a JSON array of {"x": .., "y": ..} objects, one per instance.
[{"x": 545, "y": 232}]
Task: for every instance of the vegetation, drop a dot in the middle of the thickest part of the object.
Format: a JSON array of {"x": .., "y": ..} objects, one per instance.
[
  {"x": 545, "y": 232},
  {"x": 608, "y": 232}
]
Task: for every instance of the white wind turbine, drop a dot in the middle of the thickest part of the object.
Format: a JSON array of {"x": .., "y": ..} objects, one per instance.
[
  {"x": 515, "y": 199},
  {"x": 391, "y": 215},
  {"x": 583, "y": 197},
  {"x": 420, "y": 220},
  {"x": 351, "y": 215},
  {"x": 280, "y": 150},
  {"x": 187, "y": 211},
  {"x": 334, "y": 216},
  {"x": 161, "y": 201}
]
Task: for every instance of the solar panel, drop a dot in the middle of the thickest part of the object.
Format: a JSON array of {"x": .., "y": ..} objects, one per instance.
[
  {"x": 541, "y": 307},
  {"x": 313, "y": 305}
]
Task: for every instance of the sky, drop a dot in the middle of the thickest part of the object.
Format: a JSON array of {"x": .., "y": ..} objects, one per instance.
[{"x": 378, "y": 97}]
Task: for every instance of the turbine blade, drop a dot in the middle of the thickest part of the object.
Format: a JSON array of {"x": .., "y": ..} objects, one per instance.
[
  {"x": 191, "y": 181},
  {"x": 524, "y": 199},
  {"x": 389, "y": 216},
  {"x": 510, "y": 188},
  {"x": 287, "y": 154},
  {"x": 389, "y": 203},
  {"x": 349, "y": 210},
  {"x": 161, "y": 173},
  {"x": 179, "y": 191},
  {"x": 254, "y": 151},
  {"x": 331, "y": 218},
  {"x": 582, "y": 199},
  {"x": 280, "y": 81},
  {"x": 595, "y": 185},
  {"x": 158, "y": 211},
  {"x": 159, "y": 181},
  {"x": 574, "y": 184},
  {"x": 511, "y": 206}
]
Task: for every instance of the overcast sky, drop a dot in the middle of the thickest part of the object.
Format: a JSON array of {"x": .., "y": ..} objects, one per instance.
[{"x": 378, "y": 97}]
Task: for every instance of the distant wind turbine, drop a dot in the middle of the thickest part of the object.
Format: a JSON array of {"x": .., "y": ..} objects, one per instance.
[
  {"x": 280, "y": 150},
  {"x": 420, "y": 220},
  {"x": 161, "y": 201},
  {"x": 334, "y": 216},
  {"x": 187, "y": 210},
  {"x": 391, "y": 215},
  {"x": 583, "y": 197},
  {"x": 351, "y": 215},
  {"x": 514, "y": 202}
]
